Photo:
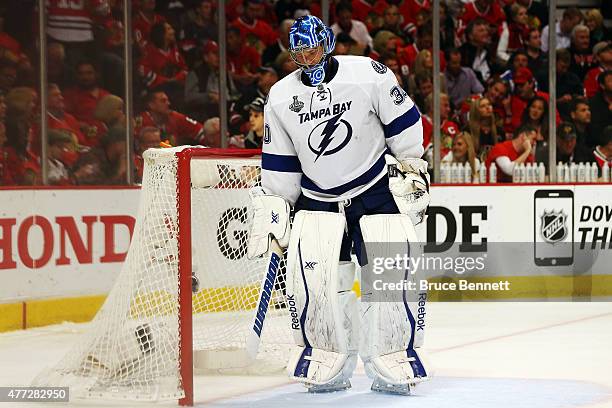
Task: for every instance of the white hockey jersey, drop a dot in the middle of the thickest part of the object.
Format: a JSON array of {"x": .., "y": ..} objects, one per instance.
[{"x": 329, "y": 141}]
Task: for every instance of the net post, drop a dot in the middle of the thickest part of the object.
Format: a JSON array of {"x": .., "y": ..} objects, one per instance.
[{"x": 183, "y": 204}]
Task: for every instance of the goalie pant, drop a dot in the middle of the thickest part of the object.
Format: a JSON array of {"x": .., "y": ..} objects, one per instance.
[{"x": 376, "y": 200}]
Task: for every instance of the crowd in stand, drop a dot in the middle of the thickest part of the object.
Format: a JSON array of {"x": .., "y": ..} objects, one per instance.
[{"x": 494, "y": 79}]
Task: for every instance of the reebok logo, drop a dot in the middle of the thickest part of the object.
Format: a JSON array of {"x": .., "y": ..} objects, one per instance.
[
  {"x": 421, "y": 312},
  {"x": 295, "y": 321}
]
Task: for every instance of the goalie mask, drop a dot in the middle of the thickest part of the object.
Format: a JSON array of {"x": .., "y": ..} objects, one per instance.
[{"x": 310, "y": 44}]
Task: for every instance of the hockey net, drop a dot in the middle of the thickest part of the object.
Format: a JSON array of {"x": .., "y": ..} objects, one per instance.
[{"x": 194, "y": 215}]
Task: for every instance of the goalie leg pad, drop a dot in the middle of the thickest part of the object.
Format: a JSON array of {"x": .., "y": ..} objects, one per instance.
[
  {"x": 392, "y": 329},
  {"x": 324, "y": 323}
]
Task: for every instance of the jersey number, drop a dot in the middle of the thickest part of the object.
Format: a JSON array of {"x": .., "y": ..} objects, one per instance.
[{"x": 398, "y": 95}]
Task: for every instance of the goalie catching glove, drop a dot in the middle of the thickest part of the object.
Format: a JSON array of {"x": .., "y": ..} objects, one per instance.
[
  {"x": 409, "y": 185},
  {"x": 270, "y": 217}
]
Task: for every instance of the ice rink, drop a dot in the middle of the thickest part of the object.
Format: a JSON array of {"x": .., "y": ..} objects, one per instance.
[{"x": 493, "y": 355}]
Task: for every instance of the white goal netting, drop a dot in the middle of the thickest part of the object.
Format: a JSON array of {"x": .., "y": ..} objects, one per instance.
[{"x": 131, "y": 349}]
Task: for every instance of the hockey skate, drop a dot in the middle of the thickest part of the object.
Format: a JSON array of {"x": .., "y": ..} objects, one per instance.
[{"x": 380, "y": 385}]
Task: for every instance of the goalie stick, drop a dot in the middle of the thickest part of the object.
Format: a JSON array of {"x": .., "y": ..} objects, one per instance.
[{"x": 273, "y": 256}]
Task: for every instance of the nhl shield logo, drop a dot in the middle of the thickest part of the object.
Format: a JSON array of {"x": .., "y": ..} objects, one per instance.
[
  {"x": 553, "y": 226},
  {"x": 296, "y": 105}
]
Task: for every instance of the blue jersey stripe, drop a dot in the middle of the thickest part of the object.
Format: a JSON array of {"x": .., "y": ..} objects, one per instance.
[
  {"x": 279, "y": 162},
  {"x": 365, "y": 178},
  {"x": 403, "y": 122}
]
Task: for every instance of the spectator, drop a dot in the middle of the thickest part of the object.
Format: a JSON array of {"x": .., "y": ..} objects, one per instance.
[
  {"x": 62, "y": 155},
  {"x": 243, "y": 60},
  {"x": 424, "y": 88},
  {"x": 448, "y": 37},
  {"x": 406, "y": 82},
  {"x": 368, "y": 11},
  {"x": 603, "y": 151},
  {"x": 162, "y": 66},
  {"x": 461, "y": 81},
  {"x": 144, "y": 21},
  {"x": 601, "y": 104},
  {"x": 10, "y": 48},
  {"x": 524, "y": 91},
  {"x": 424, "y": 41},
  {"x": 345, "y": 23},
  {"x": 9, "y": 162},
  {"x": 463, "y": 151},
  {"x": 114, "y": 159},
  {"x": 285, "y": 9},
  {"x": 266, "y": 77},
  {"x": 71, "y": 24},
  {"x": 20, "y": 118},
  {"x": 423, "y": 65},
  {"x": 570, "y": 19},
  {"x": 488, "y": 10},
  {"x": 176, "y": 128},
  {"x": 392, "y": 22},
  {"x": 81, "y": 100},
  {"x": 58, "y": 71},
  {"x": 482, "y": 126},
  {"x": 203, "y": 83},
  {"x": 582, "y": 55},
  {"x": 497, "y": 93},
  {"x": 537, "y": 60},
  {"x": 285, "y": 63},
  {"x": 475, "y": 52},
  {"x": 409, "y": 9},
  {"x": 536, "y": 116},
  {"x": 598, "y": 31},
  {"x": 109, "y": 114},
  {"x": 8, "y": 75},
  {"x": 255, "y": 32},
  {"x": 212, "y": 133},
  {"x": 345, "y": 45},
  {"x": 538, "y": 12},
  {"x": 57, "y": 118},
  {"x": 149, "y": 137},
  {"x": 602, "y": 53},
  {"x": 568, "y": 150},
  {"x": 568, "y": 84},
  {"x": 254, "y": 139},
  {"x": 200, "y": 28},
  {"x": 514, "y": 34},
  {"x": 518, "y": 60},
  {"x": 510, "y": 153},
  {"x": 281, "y": 44},
  {"x": 111, "y": 44},
  {"x": 448, "y": 128},
  {"x": 580, "y": 113},
  {"x": 385, "y": 43}
]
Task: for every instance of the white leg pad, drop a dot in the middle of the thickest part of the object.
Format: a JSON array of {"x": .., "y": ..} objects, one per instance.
[
  {"x": 392, "y": 329},
  {"x": 325, "y": 321}
]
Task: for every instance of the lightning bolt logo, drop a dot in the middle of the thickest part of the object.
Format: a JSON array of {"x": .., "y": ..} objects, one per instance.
[{"x": 327, "y": 136}]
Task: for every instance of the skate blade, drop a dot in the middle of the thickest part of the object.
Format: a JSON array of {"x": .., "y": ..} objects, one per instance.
[
  {"x": 331, "y": 387},
  {"x": 386, "y": 388}
]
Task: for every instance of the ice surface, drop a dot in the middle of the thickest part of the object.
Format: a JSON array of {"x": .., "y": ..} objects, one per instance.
[{"x": 493, "y": 355}]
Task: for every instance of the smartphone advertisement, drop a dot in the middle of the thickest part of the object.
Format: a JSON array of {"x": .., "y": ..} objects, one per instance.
[{"x": 553, "y": 227}]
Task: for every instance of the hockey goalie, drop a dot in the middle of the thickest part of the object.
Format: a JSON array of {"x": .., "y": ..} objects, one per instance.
[{"x": 342, "y": 147}]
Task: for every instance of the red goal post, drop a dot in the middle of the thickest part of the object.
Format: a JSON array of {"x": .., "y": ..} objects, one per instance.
[{"x": 183, "y": 203}]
